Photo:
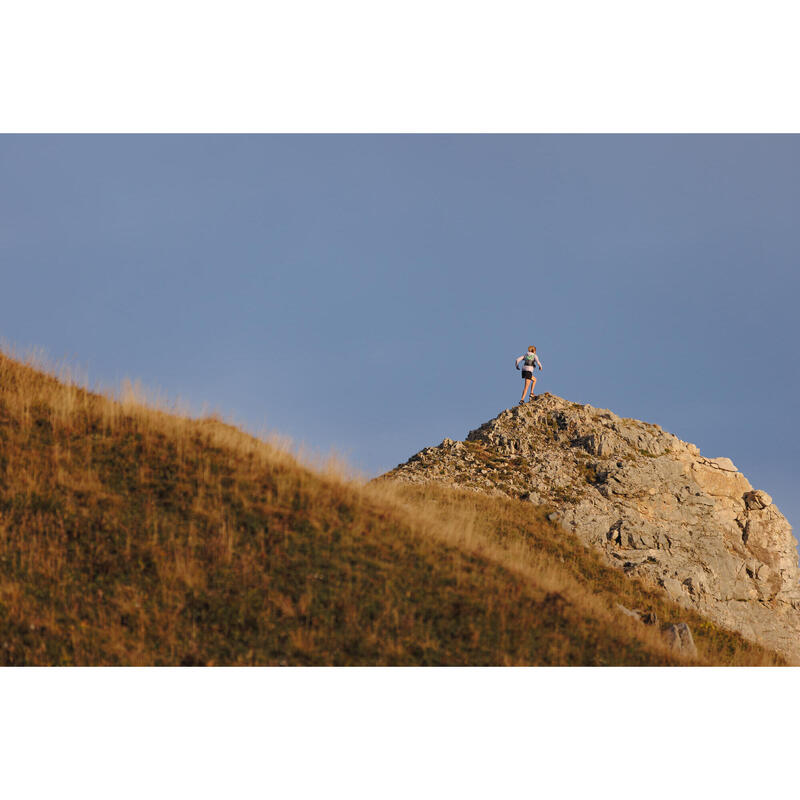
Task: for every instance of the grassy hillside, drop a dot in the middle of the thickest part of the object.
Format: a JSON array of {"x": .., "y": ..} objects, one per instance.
[{"x": 133, "y": 536}]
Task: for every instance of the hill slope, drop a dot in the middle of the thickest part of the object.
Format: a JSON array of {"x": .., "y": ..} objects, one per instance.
[
  {"x": 648, "y": 502},
  {"x": 132, "y": 536}
]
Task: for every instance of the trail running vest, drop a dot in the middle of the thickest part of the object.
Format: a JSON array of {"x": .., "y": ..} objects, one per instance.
[{"x": 529, "y": 362}]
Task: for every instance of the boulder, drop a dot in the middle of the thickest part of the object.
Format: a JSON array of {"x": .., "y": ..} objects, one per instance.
[
  {"x": 719, "y": 477},
  {"x": 645, "y": 617},
  {"x": 680, "y": 638},
  {"x": 757, "y": 500}
]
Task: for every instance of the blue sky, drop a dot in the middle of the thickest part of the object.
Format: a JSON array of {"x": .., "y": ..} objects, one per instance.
[{"x": 369, "y": 294}]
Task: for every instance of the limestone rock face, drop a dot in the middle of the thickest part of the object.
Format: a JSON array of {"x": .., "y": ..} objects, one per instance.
[{"x": 647, "y": 500}]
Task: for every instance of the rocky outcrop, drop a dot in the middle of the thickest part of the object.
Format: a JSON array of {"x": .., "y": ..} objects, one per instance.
[
  {"x": 650, "y": 502},
  {"x": 680, "y": 638}
]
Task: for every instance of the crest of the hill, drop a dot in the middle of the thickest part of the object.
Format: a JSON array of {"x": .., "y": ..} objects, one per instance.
[{"x": 129, "y": 535}]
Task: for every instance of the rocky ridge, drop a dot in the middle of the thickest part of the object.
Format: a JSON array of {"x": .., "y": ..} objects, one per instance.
[{"x": 650, "y": 502}]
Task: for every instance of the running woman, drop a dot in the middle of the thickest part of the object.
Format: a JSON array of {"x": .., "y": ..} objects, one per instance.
[{"x": 529, "y": 362}]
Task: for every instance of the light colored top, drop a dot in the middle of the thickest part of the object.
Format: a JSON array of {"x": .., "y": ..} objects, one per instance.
[{"x": 525, "y": 367}]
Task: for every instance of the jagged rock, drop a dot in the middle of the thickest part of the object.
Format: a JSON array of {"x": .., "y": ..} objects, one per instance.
[
  {"x": 757, "y": 500},
  {"x": 680, "y": 638},
  {"x": 628, "y": 612},
  {"x": 648, "y": 501},
  {"x": 645, "y": 617}
]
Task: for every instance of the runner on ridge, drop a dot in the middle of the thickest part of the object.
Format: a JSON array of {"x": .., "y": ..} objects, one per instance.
[{"x": 530, "y": 360}]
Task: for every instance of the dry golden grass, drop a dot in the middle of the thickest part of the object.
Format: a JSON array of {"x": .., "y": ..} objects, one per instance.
[{"x": 134, "y": 534}]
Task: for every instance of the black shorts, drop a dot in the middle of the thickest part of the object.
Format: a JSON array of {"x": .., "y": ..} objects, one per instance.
[{"x": 527, "y": 375}]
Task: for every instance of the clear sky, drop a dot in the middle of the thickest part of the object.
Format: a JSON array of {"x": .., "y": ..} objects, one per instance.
[{"x": 369, "y": 294}]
